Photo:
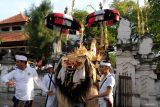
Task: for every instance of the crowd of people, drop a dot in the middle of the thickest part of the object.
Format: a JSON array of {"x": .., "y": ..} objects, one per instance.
[{"x": 23, "y": 77}]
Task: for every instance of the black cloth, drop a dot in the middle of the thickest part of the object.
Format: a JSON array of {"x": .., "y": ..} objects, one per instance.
[{"x": 20, "y": 103}]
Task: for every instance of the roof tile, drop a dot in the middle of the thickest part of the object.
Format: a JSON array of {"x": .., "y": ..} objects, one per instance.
[
  {"x": 13, "y": 36},
  {"x": 17, "y": 18}
]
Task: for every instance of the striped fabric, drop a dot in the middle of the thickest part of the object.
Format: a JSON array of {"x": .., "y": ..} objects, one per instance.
[
  {"x": 65, "y": 31},
  {"x": 108, "y": 16},
  {"x": 63, "y": 21}
]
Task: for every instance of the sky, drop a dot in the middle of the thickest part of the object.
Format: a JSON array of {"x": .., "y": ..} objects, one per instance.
[{"x": 10, "y": 8}]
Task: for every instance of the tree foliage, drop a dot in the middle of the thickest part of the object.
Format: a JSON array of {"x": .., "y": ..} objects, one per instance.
[
  {"x": 94, "y": 31},
  {"x": 128, "y": 9},
  {"x": 80, "y": 15},
  {"x": 40, "y": 36},
  {"x": 154, "y": 21},
  {"x": 149, "y": 14}
]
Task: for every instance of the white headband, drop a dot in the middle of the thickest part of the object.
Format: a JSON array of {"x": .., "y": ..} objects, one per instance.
[
  {"x": 48, "y": 66},
  {"x": 21, "y": 57},
  {"x": 105, "y": 64}
]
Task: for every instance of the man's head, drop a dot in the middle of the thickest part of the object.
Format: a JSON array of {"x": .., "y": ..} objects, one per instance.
[
  {"x": 21, "y": 61},
  {"x": 105, "y": 67},
  {"x": 49, "y": 68}
]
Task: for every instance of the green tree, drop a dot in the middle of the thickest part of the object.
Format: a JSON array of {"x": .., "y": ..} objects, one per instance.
[
  {"x": 80, "y": 15},
  {"x": 41, "y": 38},
  {"x": 129, "y": 10},
  {"x": 154, "y": 21},
  {"x": 154, "y": 25}
]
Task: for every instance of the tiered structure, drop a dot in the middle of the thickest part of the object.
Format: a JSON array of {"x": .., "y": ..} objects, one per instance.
[
  {"x": 135, "y": 60},
  {"x": 11, "y": 34}
]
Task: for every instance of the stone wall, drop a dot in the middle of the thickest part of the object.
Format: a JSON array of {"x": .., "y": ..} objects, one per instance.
[{"x": 145, "y": 85}]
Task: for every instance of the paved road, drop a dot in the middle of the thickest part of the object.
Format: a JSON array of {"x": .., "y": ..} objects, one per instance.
[{"x": 6, "y": 100}]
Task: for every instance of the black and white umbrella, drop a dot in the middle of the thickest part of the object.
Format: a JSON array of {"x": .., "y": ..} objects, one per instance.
[
  {"x": 65, "y": 22},
  {"x": 108, "y": 16}
]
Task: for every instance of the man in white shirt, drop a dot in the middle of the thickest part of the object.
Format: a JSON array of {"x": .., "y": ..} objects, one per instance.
[
  {"x": 49, "y": 82},
  {"x": 106, "y": 86},
  {"x": 24, "y": 78}
]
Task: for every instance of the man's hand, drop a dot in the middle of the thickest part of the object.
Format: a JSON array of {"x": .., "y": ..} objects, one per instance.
[
  {"x": 91, "y": 97},
  {"x": 50, "y": 93},
  {"x": 10, "y": 83}
]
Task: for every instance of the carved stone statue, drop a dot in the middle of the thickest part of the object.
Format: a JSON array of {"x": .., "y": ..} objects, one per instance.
[
  {"x": 124, "y": 31},
  {"x": 145, "y": 45}
]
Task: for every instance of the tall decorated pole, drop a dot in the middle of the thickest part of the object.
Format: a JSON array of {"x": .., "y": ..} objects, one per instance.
[
  {"x": 82, "y": 32},
  {"x": 138, "y": 18},
  {"x": 73, "y": 2},
  {"x": 104, "y": 39},
  {"x": 146, "y": 14},
  {"x": 101, "y": 26},
  {"x": 66, "y": 12},
  {"x": 82, "y": 28},
  {"x": 142, "y": 22}
]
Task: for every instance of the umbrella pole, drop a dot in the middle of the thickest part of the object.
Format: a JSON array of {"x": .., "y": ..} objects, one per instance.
[
  {"x": 102, "y": 27},
  {"x": 102, "y": 34},
  {"x": 104, "y": 39},
  {"x": 59, "y": 43},
  {"x": 82, "y": 30}
]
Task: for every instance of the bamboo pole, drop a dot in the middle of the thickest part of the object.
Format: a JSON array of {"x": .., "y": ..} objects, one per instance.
[
  {"x": 142, "y": 23},
  {"x": 146, "y": 15},
  {"x": 138, "y": 18}
]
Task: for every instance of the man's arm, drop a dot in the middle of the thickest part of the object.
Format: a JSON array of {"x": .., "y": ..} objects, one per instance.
[
  {"x": 109, "y": 89},
  {"x": 38, "y": 81},
  {"x": 7, "y": 79},
  {"x": 40, "y": 84},
  {"x": 106, "y": 93}
]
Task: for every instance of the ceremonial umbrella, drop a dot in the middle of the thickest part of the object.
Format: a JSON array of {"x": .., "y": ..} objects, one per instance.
[
  {"x": 103, "y": 17},
  {"x": 65, "y": 22},
  {"x": 107, "y": 16},
  {"x": 62, "y": 23}
]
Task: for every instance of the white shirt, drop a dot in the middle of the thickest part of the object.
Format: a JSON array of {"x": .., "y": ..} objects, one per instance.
[
  {"x": 46, "y": 81},
  {"x": 24, "y": 82},
  {"x": 110, "y": 81}
]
